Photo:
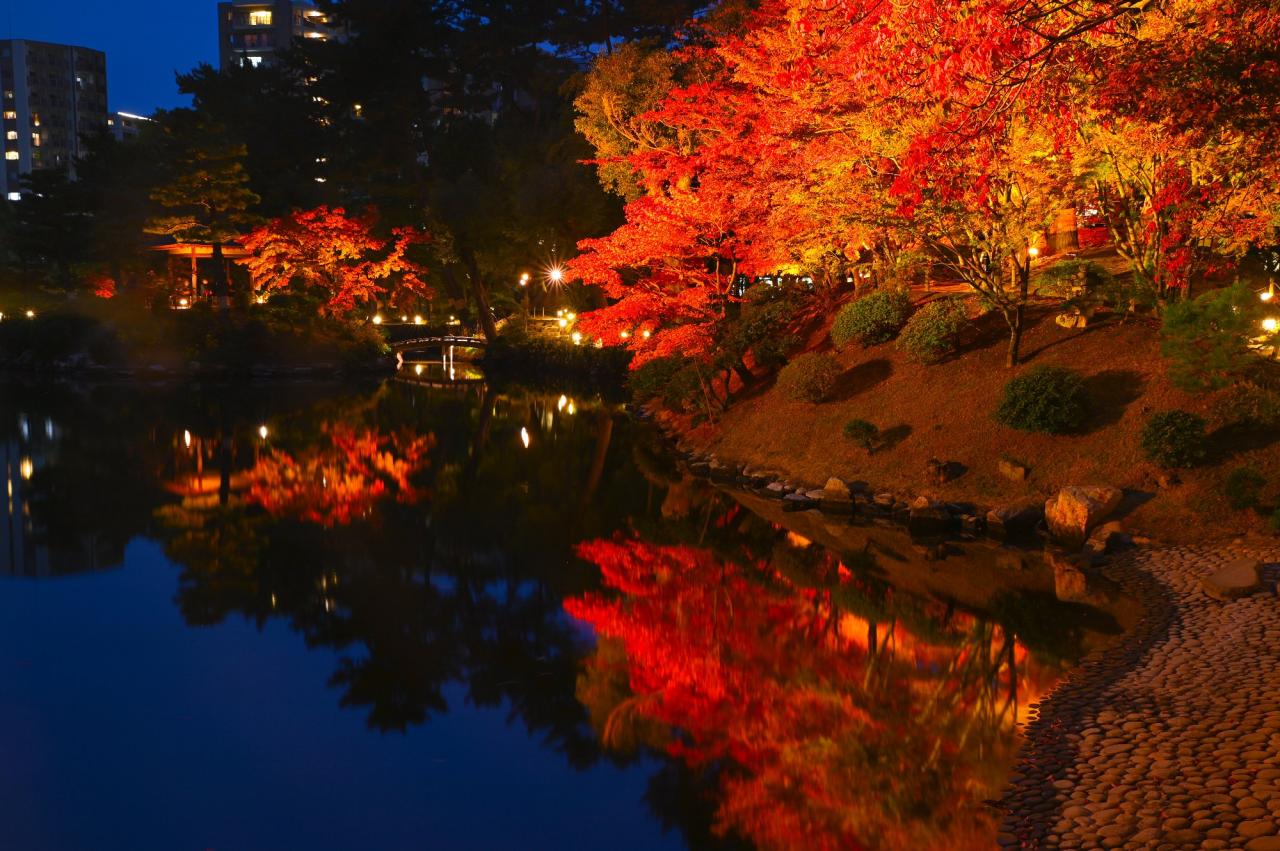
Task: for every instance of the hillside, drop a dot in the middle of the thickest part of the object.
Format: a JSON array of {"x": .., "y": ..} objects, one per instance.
[{"x": 943, "y": 411}]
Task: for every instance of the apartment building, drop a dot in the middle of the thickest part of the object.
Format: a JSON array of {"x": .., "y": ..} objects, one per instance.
[
  {"x": 54, "y": 97},
  {"x": 252, "y": 33}
]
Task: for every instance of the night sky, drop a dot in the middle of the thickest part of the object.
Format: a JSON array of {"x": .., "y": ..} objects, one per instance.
[{"x": 145, "y": 42}]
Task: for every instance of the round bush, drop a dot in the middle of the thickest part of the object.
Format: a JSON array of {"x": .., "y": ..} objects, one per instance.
[
  {"x": 1244, "y": 488},
  {"x": 863, "y": 433},
  {"x": 876, "y": 318},
  {"x": 1049, "y": 399},
  {"x": 1174, "y": 439},
  {"x": 810, "y": 377},
  {"x": 933, "y": 332}
]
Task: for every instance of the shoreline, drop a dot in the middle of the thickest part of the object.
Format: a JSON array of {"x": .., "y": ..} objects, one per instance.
[{"x": 1169, "y": 738}]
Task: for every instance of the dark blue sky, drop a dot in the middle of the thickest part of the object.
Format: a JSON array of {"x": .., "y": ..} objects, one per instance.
[{"x": 146, "y": 41}]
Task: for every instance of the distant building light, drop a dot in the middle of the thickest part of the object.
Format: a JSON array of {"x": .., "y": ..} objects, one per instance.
[{"x": 15, "y": 196}]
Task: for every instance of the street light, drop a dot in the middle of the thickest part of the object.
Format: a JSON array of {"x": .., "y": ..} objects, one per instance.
[
  {"x": 1270, "y": 324},
  {"x": 1269, "y": 293},
  {"x": 377, "y": 319}
]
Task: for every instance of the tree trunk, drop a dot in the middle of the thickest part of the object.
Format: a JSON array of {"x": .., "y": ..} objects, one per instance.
[
  {"x": 487, "y": 323},
  {"x": 218, "y": 279},
  {"x": 1022, "y": 273}
]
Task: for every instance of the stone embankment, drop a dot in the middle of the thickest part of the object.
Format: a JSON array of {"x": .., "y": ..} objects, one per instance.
[{"x": 1170, "y": 739}]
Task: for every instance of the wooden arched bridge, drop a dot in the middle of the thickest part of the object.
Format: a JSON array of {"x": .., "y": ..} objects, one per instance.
[{"x": 437, "y": 341}]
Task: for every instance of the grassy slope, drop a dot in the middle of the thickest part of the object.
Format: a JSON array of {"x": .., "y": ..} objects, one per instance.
[{"x": 944, "y": 411}]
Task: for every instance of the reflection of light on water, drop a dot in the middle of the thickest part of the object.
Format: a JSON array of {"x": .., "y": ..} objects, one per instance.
[
  {"x": 26, "y": 469},
  {"x": 798, "y": 541},
  {"x": 524, "y": 437},
  {"x": 560, "y": 405},
  {"x": 186, "y": 438}
]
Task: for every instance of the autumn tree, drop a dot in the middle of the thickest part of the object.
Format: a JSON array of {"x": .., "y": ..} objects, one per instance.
[{"x": 340, "y": 255}]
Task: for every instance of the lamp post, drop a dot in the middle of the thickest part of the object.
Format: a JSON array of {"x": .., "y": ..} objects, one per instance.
[{"x": 524, "y": 287}]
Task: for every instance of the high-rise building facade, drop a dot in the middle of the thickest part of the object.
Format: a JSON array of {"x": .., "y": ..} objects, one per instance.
[
  {"x": 252, "y": 33},
  {"x": 54, "y": 98}
]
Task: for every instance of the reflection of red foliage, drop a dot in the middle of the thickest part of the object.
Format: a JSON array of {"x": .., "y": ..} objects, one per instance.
[
  {"x": 103, "y": 286},
  {"x": 835, "y": 745},
  {"x": 341, "y": 477}
]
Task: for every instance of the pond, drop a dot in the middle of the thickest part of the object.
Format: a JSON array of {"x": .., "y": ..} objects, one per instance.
[{"x": 430, "y": 613}]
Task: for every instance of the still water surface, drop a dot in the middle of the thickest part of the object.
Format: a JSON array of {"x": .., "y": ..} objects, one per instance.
[{"x": 409, "y": 616}]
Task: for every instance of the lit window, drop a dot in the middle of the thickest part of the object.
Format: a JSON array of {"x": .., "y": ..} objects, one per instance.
[
  {"x": 35, "y": 139},
  {"x": 260, "y": 19},
  {"x": 15, "y": 196},
  {"x": 12, "y": 134},
  {"x": 254, "y": 61},
  {"x": 10, "y": 115},
  {"x": 10, "y": 155},
  {"x": 8, "y": 95},
  {"x": 35, "y": 119}
]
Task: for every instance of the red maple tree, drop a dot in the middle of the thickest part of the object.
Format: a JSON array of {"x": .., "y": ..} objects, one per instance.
[{"x": 341, "y": 255}]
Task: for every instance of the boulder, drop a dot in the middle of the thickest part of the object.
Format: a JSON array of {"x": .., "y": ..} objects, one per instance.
[
  {"x": 1018, "y": 519},
  {"x": 1238, "y": 579},
  {"x": 1075, "y": 511},
  {"x": 1072, "y": 320},
  {"x": 1012, "y": 470},
  {"x": 836, "y": 489}
]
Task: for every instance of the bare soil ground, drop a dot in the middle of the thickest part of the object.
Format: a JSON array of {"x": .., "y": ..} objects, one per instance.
[{"x": 944, "y": 411}]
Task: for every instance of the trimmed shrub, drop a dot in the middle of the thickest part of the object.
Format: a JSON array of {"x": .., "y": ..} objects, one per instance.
[
  {"x": 1251, "y": 403},
  {"x": 933, "y": 332},
  {"x": 876, "y": 318},
  {"x": 1174, "y": 439},
  {"x": 810, "y": 377},
  {"x": 1244, "y": 488},
  {"x": 1049, "y": 399},
  {"x": 863, "y": 433}
]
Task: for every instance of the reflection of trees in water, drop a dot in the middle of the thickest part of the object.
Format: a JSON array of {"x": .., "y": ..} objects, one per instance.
[
  {"x": 818, "y": 672},
  {"x": 823, "y": 727},
  {"x": 464, "y": 588}
]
